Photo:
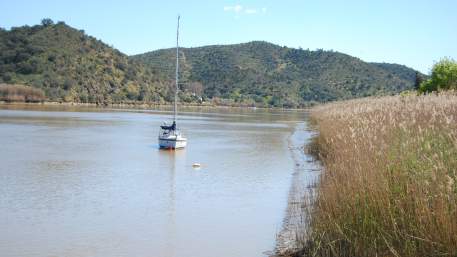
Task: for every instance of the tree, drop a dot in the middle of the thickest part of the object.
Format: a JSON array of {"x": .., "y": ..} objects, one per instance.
[
  {"x": 195, "y": 88},
  {"x": 47, "y": 22},
  {"x": 443, "y": 77}
]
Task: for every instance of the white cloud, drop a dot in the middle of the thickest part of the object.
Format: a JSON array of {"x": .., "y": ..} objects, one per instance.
[
  {"x": 238, "y": 9},
  {"x": 235, "y": 8}
]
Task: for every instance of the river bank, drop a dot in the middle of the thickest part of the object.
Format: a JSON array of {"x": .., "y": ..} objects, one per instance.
[
  {"x": 206, "y": 105},
  {"x": 389, "y": 186},
  {"x": 301, "y": 194}
]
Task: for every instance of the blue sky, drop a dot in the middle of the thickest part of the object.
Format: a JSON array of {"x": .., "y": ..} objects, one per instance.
[{"x": 414, "y": 33}]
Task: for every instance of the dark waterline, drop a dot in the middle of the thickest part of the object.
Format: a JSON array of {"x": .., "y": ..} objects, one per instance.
[{"x": 85, "y": 182}]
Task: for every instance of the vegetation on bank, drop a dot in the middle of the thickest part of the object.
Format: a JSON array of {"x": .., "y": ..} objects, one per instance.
[
  {"x": 389, "y": 183},
  {"x": 443, "y": 77},
  {"x": 20, "y": 93}
]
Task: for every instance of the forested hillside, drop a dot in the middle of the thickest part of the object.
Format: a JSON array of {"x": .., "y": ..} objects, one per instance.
[
  {"x": 68, "y": 65},
  {"x": 264, "y": 73}
]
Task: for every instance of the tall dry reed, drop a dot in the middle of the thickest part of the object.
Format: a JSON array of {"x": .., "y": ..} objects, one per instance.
[
  {"x": 20, "y": 93},
  {"x": 389, "y": 186}
]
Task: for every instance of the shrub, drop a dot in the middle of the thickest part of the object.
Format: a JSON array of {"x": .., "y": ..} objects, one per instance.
[{"x": 443, "y": 77}]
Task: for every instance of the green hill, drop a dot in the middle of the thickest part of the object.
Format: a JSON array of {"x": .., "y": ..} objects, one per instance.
[
  {"x": 267, "y": 74},
  {"x": 69, "y": 65}
]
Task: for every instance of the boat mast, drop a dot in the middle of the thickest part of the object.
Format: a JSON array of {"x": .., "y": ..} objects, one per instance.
[{"x": 175, "y": 109}]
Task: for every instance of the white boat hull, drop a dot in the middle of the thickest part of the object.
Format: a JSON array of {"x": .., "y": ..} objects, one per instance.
[{"x": 172, "y": 142}]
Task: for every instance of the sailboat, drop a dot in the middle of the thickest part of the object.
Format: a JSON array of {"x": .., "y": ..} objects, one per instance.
[{"x": 169, "y": 136}]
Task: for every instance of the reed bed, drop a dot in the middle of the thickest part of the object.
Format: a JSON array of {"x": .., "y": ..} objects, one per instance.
[
  {"x": 20, "y": 93},
  {"x": 389, "y": 185}
]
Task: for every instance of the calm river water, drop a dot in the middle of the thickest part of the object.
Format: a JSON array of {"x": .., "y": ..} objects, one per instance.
[{"x": 82, "y": 182}]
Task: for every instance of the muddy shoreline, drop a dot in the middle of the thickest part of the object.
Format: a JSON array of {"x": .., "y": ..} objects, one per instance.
[
  {"x": 144, "y": 105},
  {"x": 304, "y": 178}
]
